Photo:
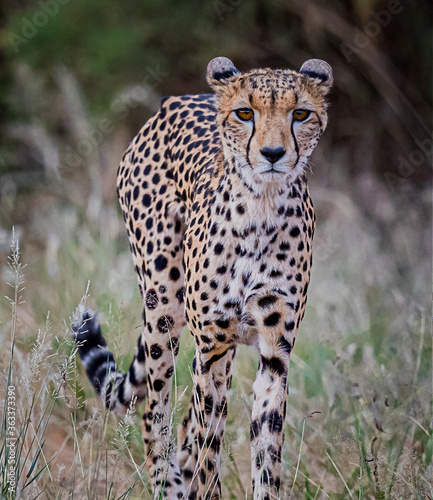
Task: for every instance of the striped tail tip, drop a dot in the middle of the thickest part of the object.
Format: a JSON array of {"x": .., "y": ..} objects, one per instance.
[{"x": 92, "y": 348}]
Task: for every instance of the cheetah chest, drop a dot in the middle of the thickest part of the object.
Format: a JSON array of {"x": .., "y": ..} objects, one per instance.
[{"x": 241, "y": 259}]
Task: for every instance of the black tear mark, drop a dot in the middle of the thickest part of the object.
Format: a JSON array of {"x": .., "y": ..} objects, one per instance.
[
  {"x": 249, "y": 143},
  {"x": 295, "y": 141}
]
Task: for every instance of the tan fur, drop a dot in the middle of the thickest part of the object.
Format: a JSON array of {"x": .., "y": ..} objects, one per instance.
[{"x": 195, "y": 187}]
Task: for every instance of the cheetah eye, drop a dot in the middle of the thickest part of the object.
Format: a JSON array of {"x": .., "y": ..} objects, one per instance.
[
  {"x": 244, "y": 114},
  {"x": 301, "y": 114}
]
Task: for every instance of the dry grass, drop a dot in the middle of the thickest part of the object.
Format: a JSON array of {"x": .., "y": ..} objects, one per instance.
[
  {"x": 358, "y": 420},
  {"x": 359, "y": 415}
]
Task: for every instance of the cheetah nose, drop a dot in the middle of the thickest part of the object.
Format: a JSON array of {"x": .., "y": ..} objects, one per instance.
[{"x": 273, "y": 154}]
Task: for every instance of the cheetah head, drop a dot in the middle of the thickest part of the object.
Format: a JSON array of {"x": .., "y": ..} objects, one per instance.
[{"x": 270, "y": 120}]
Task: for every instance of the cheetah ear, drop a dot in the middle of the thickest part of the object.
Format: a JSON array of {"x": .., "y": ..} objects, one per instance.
[
  {"x": 218, "y": 70},
  {"x": 318, "y": 69}
]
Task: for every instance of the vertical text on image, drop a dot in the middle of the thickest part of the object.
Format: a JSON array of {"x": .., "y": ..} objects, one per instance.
[{"x": 11, "y": 438}]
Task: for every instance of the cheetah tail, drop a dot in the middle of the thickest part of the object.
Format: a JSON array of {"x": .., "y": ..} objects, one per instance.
[{"x": 116, "y": 389}]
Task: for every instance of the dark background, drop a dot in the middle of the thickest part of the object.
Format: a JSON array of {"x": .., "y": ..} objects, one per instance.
[{"x": 380, "y": 52}]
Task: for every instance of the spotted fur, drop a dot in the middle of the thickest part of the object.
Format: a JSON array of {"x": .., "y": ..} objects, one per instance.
[{"x": 220, "y": 224}]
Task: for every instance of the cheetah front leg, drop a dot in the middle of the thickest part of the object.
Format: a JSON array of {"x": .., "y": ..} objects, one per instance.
[
  {"x": 212, "y": 382},
  {"x": 164, "y": 322},
  {"x": 162, "y": 345},
  {"x": 188, "y": 450},
  {"x": 276, "y": 337}
]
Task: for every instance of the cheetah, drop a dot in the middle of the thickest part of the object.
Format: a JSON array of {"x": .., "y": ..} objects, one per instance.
[{"x": 220, "y": 223}]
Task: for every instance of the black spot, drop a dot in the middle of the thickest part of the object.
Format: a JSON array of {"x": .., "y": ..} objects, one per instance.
[
  {"x": 267, "y": 301},
  {"x": 275, "y": 421},
  {"x": 272, "y": 319},
  {"x": 274, "y": 455},
  {"x": 294, "y": 232},
  {"x": 255, "y": 429},
  {"x": 180, "y": 295},
  {"x": 160, "y": 263},
  {"x": 151, "y": 299},
  {"x": 260, "y": 458},
  {"x": 149, "y": 223},
  {"x": 155, "y": 351},
  {"x": 147, "y": 200},
  {"x": 174, "y": 273},
  {"x": 202, "y": 475},
  {"x": 208, "y": 405},
  {"x": 218, "y": 249},
  {"x": 158, "y": 385},
  {"x": 165, "y": 324},
  {"x": 223, "y": 323},
  {"x": 290, "y": 326},
  {"x": 275, "y": 273},
  {"x": 221, "y": 408},
  {"x": 187, "y": 473},
  {"x": 267, "y": 478}
]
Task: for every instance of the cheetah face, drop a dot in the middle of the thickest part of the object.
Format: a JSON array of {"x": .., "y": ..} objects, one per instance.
[{"x": 270, "y": 120}]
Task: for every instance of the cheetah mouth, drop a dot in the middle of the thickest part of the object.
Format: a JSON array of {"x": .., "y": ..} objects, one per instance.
[{"x": 273, "y": 170}]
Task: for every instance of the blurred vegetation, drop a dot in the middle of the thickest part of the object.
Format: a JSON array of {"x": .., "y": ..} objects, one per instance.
[
  {"x": 75, "y": 90},
  {"x": 382, "y": 98}
]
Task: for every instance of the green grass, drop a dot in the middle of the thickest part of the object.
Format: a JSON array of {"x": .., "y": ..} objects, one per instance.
[{"x": 359, "y": 411}]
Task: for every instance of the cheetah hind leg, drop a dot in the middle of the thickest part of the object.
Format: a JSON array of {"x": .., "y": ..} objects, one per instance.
[{"x": 116, "y": 389}]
